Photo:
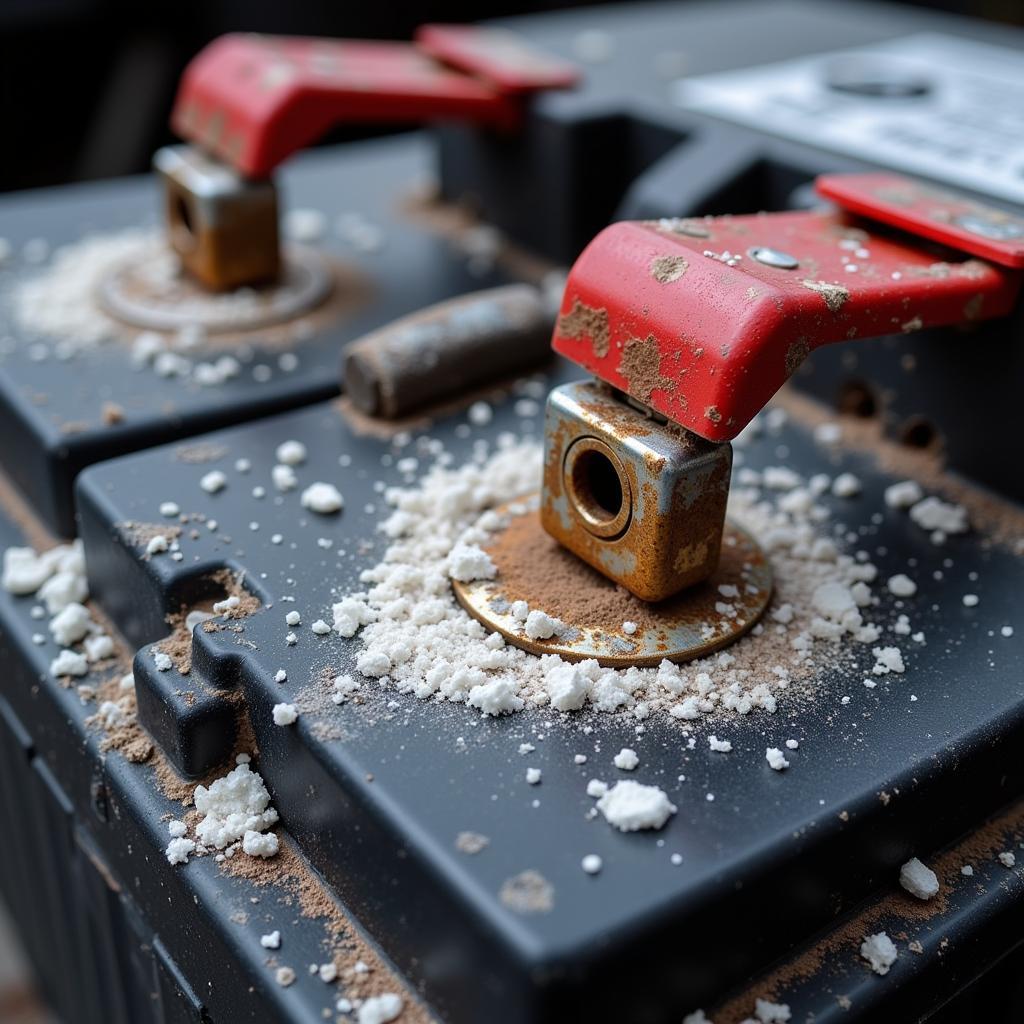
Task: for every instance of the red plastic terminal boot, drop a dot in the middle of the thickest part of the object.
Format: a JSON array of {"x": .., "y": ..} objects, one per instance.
[
  {"x": 253, "y": 101},
  {"x": 703, "y": 320}
]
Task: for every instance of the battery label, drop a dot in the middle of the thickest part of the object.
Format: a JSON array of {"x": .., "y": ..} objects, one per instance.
[{"x": 934, "y": 105}]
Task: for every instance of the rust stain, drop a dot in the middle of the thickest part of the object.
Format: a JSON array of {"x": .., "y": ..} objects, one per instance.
[
  {"x": 641, "y": 366},
  {"x": 666, "y": 269},
  {"x": 797, "y": 352},
  {"x": 835, "y": 295},
  {"x": 585, "y": 321}
]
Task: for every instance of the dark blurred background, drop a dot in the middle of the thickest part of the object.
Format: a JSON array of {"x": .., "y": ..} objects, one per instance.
[{"x": 87, "y": 85}]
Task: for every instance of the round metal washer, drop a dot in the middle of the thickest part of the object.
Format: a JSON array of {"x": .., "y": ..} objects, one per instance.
[
  {"x": 144, "y": 294},
  {"x": 681, "y": 628}
]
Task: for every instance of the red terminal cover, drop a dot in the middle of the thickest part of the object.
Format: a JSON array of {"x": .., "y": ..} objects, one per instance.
[
  {"x": 252, "y": 100},
  {"x": 930, "y": 212},
  {"x": 498, "y": 56},
  {"x": 680, "y": 314}
]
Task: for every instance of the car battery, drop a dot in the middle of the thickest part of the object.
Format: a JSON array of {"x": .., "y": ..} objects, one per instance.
[{"x": 308, "y": 717}]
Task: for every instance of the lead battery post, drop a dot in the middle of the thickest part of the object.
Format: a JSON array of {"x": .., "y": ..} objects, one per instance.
[{"x": 222, "y": 226}]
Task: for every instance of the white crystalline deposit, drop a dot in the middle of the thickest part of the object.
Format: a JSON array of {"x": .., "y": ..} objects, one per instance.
[
  {"x": 879, "y": 951},
  {"x": 468, "y": 562},
  {"x": 414, "y": 638},
  {"x": 231, "y": 806},
  {"x": 919, "y": 879},
  {"x": 631, "y": 806},
  {"x": 380, "y": 1009},
  {"x": 322, "y": 498}
]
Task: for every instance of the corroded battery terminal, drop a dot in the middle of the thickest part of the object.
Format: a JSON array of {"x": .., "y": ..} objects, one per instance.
[
  {"x": 689, "y": 327},
  {"x": 246, "y": 103}
]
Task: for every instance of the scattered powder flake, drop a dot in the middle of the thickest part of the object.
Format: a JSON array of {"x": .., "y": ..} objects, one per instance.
[
  {"x": 967, "y": 870},
  {"x": 846, "y": 485},
  {"x": 259, "y": 844},
  {"x": 918, "y": 879},
  {"x": 157, "y": 545},
  {"x": 902, "y": 585},
  {"x": 596, "y": 788},
  {"x": 887, "y": 659},
  {"x": 285, "y": 714},
  {"x": 496, "y": 696},
  {"x": 284, "y": 478},
  {"x": 213, "y": 481},
  {"x": 380, "y": 1009},
  {"x": 162, "y": 662},
  {"x": 933, "y": 514},
  {"x": 533, "y": 776},
  {"x": 272, "y": 940},
  {"x": 304, "y": 225},
  {"x": 320, "y": 627},
  {"x": 178, "y": 850},
  {"x": 630, "y": 806},
  {"x": 879, "y": 951},
  {"x": 719, "y": 746},
  {"x": 70, "y": 624},
  {"x": 541, "y": 626},
  {"x": 293, "y": 618},
  {"x": 568, "y": 687},
  {"x": 626, "y": 759},
  {"x": 792, "y": 744},
  {"x": 697, "y": 1017},
  {"x": 828, "y": 433},
  {"x": 1006, "y": 631},
  {"x": 169, "y": 509},
  {"x": 591, "y": 863},
  {"x": 176, "y": 829},
  {"x": 480, "y": 414},
  {"x": 1007, "y": 859},
  {"x": 468, "y": 562},
  {"x": 904, "y": 494},
  {"x": 322, "y": 498},
  {"x": 970, "y": 600},
  {"x": 69, "y": 663},
  {"x": 284, "y": 976},
  {"x": 291, "y": 453},
  {"x": 776, "y": 759},
  {"x": 629, "y": 628},
  {"x": 471, "y": 842},
  {"x": 771, "y": 1013},
  {"x": 231, "y": 806}
]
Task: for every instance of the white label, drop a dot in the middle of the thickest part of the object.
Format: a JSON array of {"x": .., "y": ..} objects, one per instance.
[{"x": 965, "y": 128}]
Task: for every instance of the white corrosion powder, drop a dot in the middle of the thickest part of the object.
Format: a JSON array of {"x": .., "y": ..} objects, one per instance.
[
  {"x": 232, "y": 806},
  {"x": 414, "y": 638},
  {"x": 919, "y": 879},
  {"x": 323, "y": 498},
  {"x": 631, "y": 806},
  {"x": 380, "y": 1009},
  {"x": 879, "y": 951}
]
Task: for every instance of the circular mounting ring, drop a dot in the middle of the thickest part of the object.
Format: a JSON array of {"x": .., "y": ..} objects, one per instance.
[
  {"x": 149, "y": 294},
  {"x": 593, "y": 610}
]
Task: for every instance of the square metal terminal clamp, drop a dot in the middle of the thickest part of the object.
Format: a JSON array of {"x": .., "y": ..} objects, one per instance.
[
  {"x": 222, "y": 226},
  {"x": 641, "y": 501}
]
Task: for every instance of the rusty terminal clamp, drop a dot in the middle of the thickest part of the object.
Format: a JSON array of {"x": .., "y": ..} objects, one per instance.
[
  {"x": 246, "y": 103},
  {"x": 690, "y": 326}
]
